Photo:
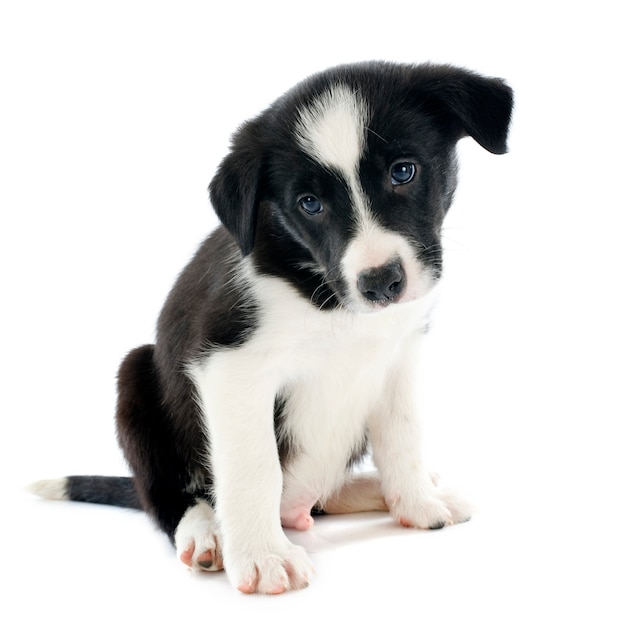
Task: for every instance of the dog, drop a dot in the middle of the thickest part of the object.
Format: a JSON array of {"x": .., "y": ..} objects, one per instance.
[{"x": 287, "y": 348}]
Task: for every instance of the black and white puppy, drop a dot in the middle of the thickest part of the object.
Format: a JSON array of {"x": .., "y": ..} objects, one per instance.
[{"x": 287, "y": 348}]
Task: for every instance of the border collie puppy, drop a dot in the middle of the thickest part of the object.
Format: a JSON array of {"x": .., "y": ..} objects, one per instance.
[{"x": 287, "y": 347}]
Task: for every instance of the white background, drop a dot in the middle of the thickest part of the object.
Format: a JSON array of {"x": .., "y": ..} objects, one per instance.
[{"x": 113, "y": 118}]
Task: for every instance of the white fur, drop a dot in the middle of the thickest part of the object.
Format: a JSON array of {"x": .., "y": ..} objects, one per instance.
[
  {"x": 198, "y": 532},
  {"x": 336, "y": 369},
  {"x": 342, "y": 373},
  {"x": 53, "y": 489},
  {"x": 332, "y": 129}
]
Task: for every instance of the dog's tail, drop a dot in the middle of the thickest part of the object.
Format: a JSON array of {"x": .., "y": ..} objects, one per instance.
[{"x": 111, "y": 490}]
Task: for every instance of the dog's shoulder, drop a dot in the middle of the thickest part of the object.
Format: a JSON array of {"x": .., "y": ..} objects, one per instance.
[{"x": 211, "y": 305}]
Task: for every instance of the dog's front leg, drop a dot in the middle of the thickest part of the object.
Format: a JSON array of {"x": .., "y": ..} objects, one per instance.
[
  {"x": 411, "y": 494},
  {"x": 237, "y": 398}
]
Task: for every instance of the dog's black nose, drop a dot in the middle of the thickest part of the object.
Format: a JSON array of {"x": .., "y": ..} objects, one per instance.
[{"x": 382, "y": 284}]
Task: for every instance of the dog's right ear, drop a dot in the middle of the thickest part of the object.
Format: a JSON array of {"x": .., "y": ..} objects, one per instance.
[{"x": 234, "y": 189}]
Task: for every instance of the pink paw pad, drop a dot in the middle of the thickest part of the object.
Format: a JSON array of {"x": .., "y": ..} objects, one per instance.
[
  {"x": 300, "y": 520},
  {"x": 186, "y": 556},
  {"x": 208, "y": 560}
]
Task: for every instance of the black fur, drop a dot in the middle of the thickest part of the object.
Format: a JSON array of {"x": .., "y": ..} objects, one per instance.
[
  {"x": 416, "y": 111},
  {"x": 419, "y": 111},
  {"x": 112, "y": 490}
]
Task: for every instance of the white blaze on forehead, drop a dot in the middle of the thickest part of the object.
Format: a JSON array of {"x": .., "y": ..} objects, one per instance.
[{"x": 332, "y": 129}]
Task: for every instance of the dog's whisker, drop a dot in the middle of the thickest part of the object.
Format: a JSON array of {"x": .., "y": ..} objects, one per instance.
[{"x": 369, "y": 130}]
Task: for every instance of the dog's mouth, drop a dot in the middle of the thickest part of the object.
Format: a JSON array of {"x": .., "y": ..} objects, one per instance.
[{"x": 381, "y": 269}]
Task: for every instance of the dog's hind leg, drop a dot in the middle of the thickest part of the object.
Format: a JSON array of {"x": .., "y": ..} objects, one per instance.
[
  {"x": 163, "y": 443},
  {"x": 359, "y": 494}
]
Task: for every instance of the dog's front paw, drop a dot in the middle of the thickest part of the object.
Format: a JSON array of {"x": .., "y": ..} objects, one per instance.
[
  {"x": 197, "y": 539},
  {"x": 431, "y": 507},
  {"x": 274, "y": 571}
]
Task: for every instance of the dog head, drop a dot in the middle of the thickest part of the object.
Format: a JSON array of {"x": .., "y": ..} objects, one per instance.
[{"x": 342, "y": 185}]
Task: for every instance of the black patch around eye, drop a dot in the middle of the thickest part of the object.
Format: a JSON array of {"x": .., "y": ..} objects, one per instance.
[{"x": 402, "y": 173}]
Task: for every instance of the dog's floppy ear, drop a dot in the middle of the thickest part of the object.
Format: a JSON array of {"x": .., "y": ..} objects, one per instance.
[
  {"x": 234, "y": 189},
  {"x": 479, "y": 107}
]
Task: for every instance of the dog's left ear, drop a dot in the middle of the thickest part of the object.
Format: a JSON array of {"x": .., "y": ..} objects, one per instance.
[
  {"x": 234, "y": 189},
  {"x": 478, "y": 106}
]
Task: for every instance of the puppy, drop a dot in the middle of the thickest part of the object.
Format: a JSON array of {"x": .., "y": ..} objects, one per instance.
[{"x": 287, "y": 348}]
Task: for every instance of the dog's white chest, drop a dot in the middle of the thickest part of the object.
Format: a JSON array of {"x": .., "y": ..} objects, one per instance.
[
  {"x": 326, "y": 410},
  {"x": 333, "y": 371}
]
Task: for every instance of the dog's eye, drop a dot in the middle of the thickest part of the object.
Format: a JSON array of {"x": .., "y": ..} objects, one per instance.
[
  {"x": 402, "y": 173},
  {"x": 311, "y": 205}
]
